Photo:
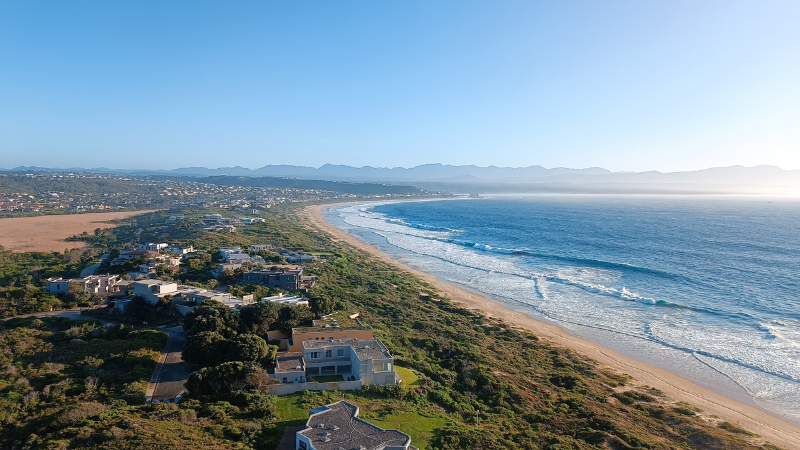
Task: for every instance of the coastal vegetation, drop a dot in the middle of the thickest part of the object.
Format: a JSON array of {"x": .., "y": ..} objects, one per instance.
[{"x": 470, "y": 381}]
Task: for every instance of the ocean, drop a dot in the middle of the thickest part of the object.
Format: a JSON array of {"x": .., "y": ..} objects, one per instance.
[{"x": 705, "y": 287}]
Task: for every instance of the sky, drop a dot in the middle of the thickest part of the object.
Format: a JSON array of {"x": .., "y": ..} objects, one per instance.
[{"x": 624, "y": 85}]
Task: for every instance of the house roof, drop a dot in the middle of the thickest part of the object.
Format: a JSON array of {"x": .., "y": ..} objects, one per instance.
[
  {"x": 337, "y": 426},
  {"x": 285, "y": 364},
  {"x": 365, "y": 349}
]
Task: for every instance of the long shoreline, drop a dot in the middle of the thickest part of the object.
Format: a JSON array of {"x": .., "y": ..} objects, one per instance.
[{"x": 772, "y": 428}]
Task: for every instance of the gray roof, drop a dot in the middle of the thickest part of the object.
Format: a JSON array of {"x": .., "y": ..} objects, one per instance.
[
  {"x": 365, "y": 349},
  {"x": 285, "y": 364},
  {"x": 338, "y": 426}
]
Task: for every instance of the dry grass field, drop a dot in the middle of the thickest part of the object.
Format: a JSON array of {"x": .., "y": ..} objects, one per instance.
[{"x": 48, "y": 233}]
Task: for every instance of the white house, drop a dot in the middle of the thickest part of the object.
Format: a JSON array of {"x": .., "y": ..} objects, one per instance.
[
  {"x": 97, "y": 285},
  {"x": 152, "y": 247},
  {"x": 364, "y": 360}
]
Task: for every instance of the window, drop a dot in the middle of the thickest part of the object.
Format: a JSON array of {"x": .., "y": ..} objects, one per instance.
[
  {"x": 328, "y": 353},
  {"x": 340, "y": 352},
  {"x": 303, "y": 446},
  {"x": 313, "y": 355},
  {"x": 383, "y": 367}
]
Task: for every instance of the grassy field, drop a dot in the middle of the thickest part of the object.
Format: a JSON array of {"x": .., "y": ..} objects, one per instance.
[
  {"x": 410, "y": 379},
  {"x": 48, "y": 233}
]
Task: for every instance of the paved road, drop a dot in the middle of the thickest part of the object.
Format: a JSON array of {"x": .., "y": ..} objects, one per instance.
[{"x": 171, "y": 372}]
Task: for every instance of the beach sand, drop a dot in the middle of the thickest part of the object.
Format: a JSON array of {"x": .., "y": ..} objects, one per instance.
[{"x": 771, "y": 427}]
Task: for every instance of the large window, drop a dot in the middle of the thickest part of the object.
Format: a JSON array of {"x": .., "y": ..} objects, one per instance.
[
  {"x": 383, "y": 367},
  {"x": 313, "y": 355},
  {"x": 328, "y": 353},
  {"x": 340, "y": 352}
]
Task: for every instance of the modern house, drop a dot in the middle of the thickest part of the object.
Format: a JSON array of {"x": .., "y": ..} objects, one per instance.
[
  {"x": 286, "y": 300},
  {"x": 97, "y": 285},
  {"x": 154, "y": 290},
  {"x": 152, "y": 247},
  {"x": 333, "y": 326},
  {"x": 337, "y": 426},
  {"x": 289, "y": 278},
  {"x": 336, "y": 364}
]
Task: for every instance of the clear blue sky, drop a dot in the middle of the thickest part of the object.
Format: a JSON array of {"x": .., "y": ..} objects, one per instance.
[{"x": 626, "y": 85}]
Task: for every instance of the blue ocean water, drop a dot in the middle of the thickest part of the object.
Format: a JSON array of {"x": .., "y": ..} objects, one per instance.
[{"x": 707, "y": 287}]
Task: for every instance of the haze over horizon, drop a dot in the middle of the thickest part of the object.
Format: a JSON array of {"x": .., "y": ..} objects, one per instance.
[{"x": 625, "y": 86}]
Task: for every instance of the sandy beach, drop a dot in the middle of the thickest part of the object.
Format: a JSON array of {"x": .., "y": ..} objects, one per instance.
[{"x": 771, "y": 427}]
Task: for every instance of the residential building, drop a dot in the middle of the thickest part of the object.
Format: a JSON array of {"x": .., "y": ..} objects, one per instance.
[
  {"x": 337, "y": 426},
  {"x": 225, "y": 252},
  {"x": 129, "y": 254},
  {"x": 333, "y": 326},
  {"x": 179, "y": 249},
  {"x": 289, "y": 278},
  {"x": 97, "y": 285},
  {"x": 152, "y": 247},
  {"x": 286, "y": 300},
  {"x": 154, "y": 290}
]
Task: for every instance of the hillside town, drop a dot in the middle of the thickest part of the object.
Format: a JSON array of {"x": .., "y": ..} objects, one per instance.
[{"x": 76, "y": 192}]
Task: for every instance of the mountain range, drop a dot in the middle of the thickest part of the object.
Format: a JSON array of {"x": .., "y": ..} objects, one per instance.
[{"x": 471, "y": 178}]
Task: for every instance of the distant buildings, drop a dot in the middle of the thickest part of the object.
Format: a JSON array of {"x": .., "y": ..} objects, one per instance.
[{"x": 337, "y": 426}]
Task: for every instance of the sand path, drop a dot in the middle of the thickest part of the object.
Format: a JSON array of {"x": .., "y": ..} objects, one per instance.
[{"x": 774, "y": 429}]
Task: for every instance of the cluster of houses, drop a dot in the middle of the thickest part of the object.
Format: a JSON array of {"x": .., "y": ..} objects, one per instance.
[{"x": 156, "y": 255}]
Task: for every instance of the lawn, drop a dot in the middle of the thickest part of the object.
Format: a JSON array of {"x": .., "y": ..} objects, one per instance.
[
  {"x": 328, "y": 378},
  {"x": 420, "y": 426},
  {"x": 410, "y": 379}
]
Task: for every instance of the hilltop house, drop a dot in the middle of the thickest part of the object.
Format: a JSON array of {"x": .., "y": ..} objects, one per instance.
[{"x": 337, "y": 426}]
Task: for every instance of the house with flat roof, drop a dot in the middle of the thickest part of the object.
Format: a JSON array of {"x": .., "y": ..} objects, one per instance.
[
  {"x": 335, "y": 364},
  {"x": 290, "y": 279},
  {"x": 97, "y": 285},
  {"x": 337, "y": 426},
  {"x": 340, "y": 325}
]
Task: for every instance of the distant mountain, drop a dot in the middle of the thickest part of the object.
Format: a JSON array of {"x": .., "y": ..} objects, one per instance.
[{"x": 470, "y": 178}]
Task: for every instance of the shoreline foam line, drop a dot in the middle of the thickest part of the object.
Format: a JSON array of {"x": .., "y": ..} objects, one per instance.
[{"x": 771, "y": 427}]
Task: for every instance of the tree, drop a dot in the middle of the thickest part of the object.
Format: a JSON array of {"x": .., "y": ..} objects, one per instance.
[
  {"x": 211, "y": 284},
  {"x": 257, "y": 319},
  {"x": 227, "y": 276},
  {"x": 322, "y": 304},
  {"x": 204, "y": 349},
  {"x": 227, "y": 377},
  {"x": 291, "y": 316},
  {"x": 212, "y": 316},
  {"x": 76, "y": 294},
  {"x": 246, "y": 347}
]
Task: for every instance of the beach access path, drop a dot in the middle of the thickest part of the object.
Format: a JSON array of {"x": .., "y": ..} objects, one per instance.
[{"x": 774, "y": 429}]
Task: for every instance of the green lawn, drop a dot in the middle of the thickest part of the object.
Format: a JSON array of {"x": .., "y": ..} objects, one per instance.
[
  {"x": 410, "y": 379},
  {"x": 420, "y": 427},
  {"x": 289, "y": 409},
  {"x": 328, "y": 378}
]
